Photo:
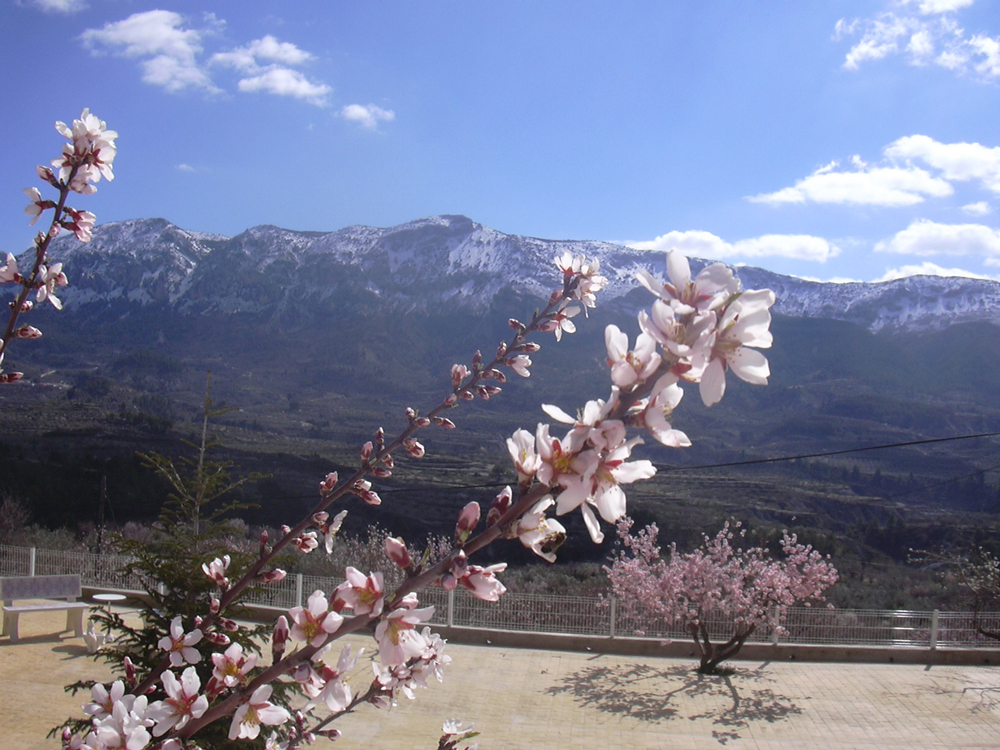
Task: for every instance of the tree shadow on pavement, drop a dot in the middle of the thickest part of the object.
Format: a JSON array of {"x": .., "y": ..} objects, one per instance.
[{"x": 735, "y": 698}]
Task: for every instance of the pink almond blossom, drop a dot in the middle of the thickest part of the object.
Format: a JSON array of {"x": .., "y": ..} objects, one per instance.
[
  {"x": 363, "y": 594},
  {"x": 183, "y": 702},
  {"x": 254, "y": 712},
  {"x": 180, "y": 645},
  {"x": 314, "y": 622}
]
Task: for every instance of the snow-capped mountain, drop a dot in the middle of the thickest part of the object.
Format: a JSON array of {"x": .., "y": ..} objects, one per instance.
[{"x": 440, "y": 263}]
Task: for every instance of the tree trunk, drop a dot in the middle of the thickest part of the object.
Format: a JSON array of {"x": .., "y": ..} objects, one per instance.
[{"x": 713, "y": 655}]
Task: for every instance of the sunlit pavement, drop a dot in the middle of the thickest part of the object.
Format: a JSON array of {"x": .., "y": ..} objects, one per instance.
[{"x": 549, "y": 699}]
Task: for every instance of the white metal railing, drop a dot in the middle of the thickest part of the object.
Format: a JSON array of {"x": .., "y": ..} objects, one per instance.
[{"x": 541, "y": 613}]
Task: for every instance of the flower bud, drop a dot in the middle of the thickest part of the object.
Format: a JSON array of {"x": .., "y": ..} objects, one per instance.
[
  {"x": 27, "y": 332},
  {"x": 213, "y": 606},
  {"x": 273, "y": 576},
  {"x": 445, "y": 423},
  {"x": 421, "y": 421},
  {"x": 130, "y": 679},
  {"x": 11, "y": 377},
  {"x": 366, "y": 450},
  {"x": 397, "y": 552},
  {"x": 410, "y": 414},
  {"x": 414, "y": 448},
  {"x": 230, "y": 625},
  {"x": 477, "y": 358},
  {"x": 218, "y": 639},
  {"x": 450, "y": 399},
  {"x": 501, "y": 349},
  {"x": 263, "y": 542},
  {"x": 329, "y": 484},
  {"x": 459, "y": 565},
  {"x": 517, "y": 325},
  {"x": 381, "y": 472},
  {"x": 468, "y": 519},
  {"x": 448, "y": 582},
  {"x": 499, "y": 376},
  {"x": 279, "y": 637}
]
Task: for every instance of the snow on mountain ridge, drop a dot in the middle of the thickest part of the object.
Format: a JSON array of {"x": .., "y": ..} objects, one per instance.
[{"x": 442, "y": 260}]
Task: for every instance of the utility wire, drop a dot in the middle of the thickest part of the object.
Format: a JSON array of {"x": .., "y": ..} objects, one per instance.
[{"x": 750, "y": 462}]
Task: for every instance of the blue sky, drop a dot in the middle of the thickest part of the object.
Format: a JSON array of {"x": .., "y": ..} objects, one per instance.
[{"x": 846, "y": 139}]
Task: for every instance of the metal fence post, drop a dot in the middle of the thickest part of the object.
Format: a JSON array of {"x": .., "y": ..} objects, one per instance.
[
  {"x": 934, "y": 630},
  {"x": 31, "y": 562},
  {"x": 613, "y": 608},
  {"x": 775, "y": 625},
  {"x": 451, "y": 608},
  {"x": 298, "y": 589}
]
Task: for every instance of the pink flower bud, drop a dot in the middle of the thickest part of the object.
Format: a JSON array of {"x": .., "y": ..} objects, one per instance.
[
  {"x": 329, "y": 484},
  {"x": 218, "y": 639},
  {"x": 198, "y": 621},
  {"x": 499, "y": 376},
  {"x": 129, "y": 671},
  {"x": 468, "y": 519},
  {"x": 366, "y": 450},
  {"x": 26, "y": 305},
  {"x": 445, "y": 423},
  {"x": 387, "y": 460},
  {"x": 263, "y": 542},
  {"x": 230, "y": 625},
  {"x": 501, "y": 349},
  {"x": 450, "y": 399},
  {"x": 302, "y": 673},
  {"x": 421, "y": 421},
  {"x": 213, "y": 606},
  {"x": 414, "y": 448},
  {"x": 397, "y": 552},
  {"x": 528, "y": 347},
  {"x": 486, "y": 374},
  {"x": 320, "y": 518},
  {"x": 46, "y": 174},
  {"x": 11, "y": 377},
  {"x": 379, "y": 438},
  {"x": 279, "y": 637},
  {"x": 381, "y": 472},
  {"x": 410, "y": 413},
  {"x": 459, "y": 565},
  {"x": 483, "y": 392},
  {"x": 273, "y": 576},
  {"x": 27, "y": 332},
  {"x": 477, "y": 358},
  {"x": 517, "y": 325},
  {"x": 448, "y": 582}
]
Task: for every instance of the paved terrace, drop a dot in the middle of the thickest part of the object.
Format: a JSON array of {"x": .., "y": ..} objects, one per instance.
[{"x": 542, "y": 700}]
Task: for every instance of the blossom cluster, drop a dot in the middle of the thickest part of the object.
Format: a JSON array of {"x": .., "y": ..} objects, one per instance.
[
  {"x": 697, "y": 329},
  {"x": 85, "y": 159}
]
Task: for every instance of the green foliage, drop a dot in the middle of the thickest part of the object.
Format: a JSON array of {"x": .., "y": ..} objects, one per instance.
[{"x": 190, "y": 532}]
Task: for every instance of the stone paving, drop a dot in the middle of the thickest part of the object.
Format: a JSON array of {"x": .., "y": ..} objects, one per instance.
[{"x": 541, "y": 700}]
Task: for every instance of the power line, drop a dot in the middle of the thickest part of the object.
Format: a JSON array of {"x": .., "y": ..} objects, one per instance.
[
  {"x": 750, "y": 462},
  {"x": 826, "y": 453}
]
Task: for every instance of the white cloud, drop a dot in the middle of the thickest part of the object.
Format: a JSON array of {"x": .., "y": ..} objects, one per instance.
[
  {"x": 707, "y": 245},
  {"x": 926, "y": 238},
  {"x": 248, "y": 59},
  {"x": 170, "y": 50},
  {"x": 957, "y": 161},
  {"x": 286, "y": 82},
  {"x": 929, "y": 7},
  {"x": 368, "y": 115},
  {"x": 928, "y": 34},
  {"x": 878, "y": 186},
  {"x": 185, "y": 168},
  {"x": 980, "y": 208},
  {"x": 61, "y": 6},
  {"x": 930, "y": 269}
]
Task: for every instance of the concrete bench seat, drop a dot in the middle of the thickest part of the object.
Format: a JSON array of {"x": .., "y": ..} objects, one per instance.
[{"x": 62, "y": 587}]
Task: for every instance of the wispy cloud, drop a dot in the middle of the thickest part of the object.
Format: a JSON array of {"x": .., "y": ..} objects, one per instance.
[
  {"x": 171, "y": 49},
  {"x": 265, "y": 64},
  {"x": 897, "y": 180},
  {"x": 979, "y": 208},
  {"x": 930, "y": 269},
  {"x": 60, "y": 6},
  {"x": 956, "y": 161},
  {"x": 185, "y": 168},
  {"x": 367, "y": 115},
  {"x": 864, "y": 184},
  {"x": 707, "y": 245},
  {"x": 160, "y": 38},
  {"x": 926, "y": 32},
  {"x": 928, "y": 238}
]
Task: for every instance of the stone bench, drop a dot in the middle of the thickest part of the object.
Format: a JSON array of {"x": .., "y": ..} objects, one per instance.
[{"x": 65, "y": 587}]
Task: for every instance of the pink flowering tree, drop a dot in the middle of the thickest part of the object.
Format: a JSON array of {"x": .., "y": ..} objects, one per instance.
[
  {"x": 696, "y": 331},
  {"x": 745, "y": 589}
]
